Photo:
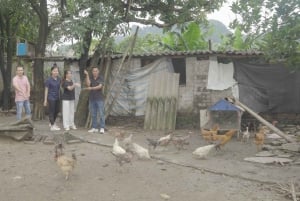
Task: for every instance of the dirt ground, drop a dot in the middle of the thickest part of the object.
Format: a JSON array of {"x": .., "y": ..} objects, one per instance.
[{"x": 28, "y": 172}]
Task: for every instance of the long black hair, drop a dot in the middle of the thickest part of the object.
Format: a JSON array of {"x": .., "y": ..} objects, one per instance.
[{"x": 64, "y": 78}]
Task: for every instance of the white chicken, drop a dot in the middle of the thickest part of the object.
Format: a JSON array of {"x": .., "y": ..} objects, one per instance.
[
  {"x": 246, "y": 135},
  {"x": 202, "y": 152},
  {"x": 164, "y": 141},
  {"x": 140, "y": 151},
  {"x": 117, "y": 149},
  {"x": 121, "y": 155},
  {"x": 126, "y": 142}
]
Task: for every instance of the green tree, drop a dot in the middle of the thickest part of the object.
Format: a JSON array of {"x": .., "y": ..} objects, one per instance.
[
  {"x": 190, "y": 37},
  {"x": 274, "y": 27},
  {"x": 238, "y": 43},
  {"x": 13, "y": 22}
]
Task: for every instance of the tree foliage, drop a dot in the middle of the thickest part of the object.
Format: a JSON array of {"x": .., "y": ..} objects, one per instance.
[
  {"x": 273, "y": 27},
  {"x": 190, "y": 37}
]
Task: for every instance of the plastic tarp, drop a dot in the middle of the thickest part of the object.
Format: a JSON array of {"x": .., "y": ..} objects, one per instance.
[
  {"x": 220, "y": 76},
  {"x": 223, "y": 105},
  {"x": 268, "y": 88},
  {"x": 133, "y": 94}
]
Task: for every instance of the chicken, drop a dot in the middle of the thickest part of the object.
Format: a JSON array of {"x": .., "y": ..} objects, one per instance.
[
  {"x": 123, "y": 158},
  {"x": 246, "y": 135},
  {"x": 65, "y": 163},
  {"x": 208, "y": 134},
  {"x": 164, "y": 141},
  {"x": 260, "y": 138},
  {"x": 223, "y": 139},
  {"x": 126, "y": 142},
  {"x": 140, "y": 151},
  {"x": 152, "y": 143},
  {"x": 202, "y": 152},
  {"x": 117, "y": 149},
  {"x": 120, "y": 153},
  {"x": 180, "y": 141}
]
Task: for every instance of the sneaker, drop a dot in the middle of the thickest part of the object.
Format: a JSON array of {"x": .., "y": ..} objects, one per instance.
[
  {"x": 67, "y": 129},
  {"x": 102, "y": 130},
  {"x": 73, "y": 127},
  {"x": 93, "y": 130},
  {"x": 54, "y": 128}
]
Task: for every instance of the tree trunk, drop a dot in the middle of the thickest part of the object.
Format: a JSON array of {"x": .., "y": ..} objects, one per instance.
[
  {"x": 38, "y": 88},
  {"x": 5, "y": 28},
  {"x": 7, "y": 81},
  {"x": 38, "y": 67},
  {"x": 82, "y": 106}
]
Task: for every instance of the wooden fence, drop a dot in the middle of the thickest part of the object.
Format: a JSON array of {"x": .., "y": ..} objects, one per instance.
[{"x": 161, "y": 104}]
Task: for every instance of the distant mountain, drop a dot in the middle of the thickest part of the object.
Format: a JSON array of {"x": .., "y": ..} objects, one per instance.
[
  {"x": 215, "y": 27},
  {"x": 218, "y": 29}
]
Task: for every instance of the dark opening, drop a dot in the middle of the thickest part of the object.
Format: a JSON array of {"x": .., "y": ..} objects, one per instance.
[
  {"x": 179, "y": 67},
  {"x": 147, "y": 61}
]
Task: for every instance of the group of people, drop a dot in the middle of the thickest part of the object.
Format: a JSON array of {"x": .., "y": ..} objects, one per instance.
[{"x": 52, "y": 97}]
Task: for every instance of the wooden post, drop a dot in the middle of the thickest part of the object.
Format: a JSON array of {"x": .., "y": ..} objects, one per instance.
[{"x": 130, "y": 50}]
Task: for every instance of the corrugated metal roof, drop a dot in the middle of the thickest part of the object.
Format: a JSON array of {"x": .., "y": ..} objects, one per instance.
[
  {"x": 188, "y": 53},
  {"x": 194, "y": 53}
]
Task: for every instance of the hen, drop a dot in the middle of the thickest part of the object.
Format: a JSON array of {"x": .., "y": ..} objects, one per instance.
[
  {"x": 126, "y": 143},
  {"x": 140, "y": 151},
  {"x": 152, "y": 143},
  {"x": 260, "y": 138},
  {"x": 180, "y": 141},
  {"x": 65, "y": 163},
  {"x": 121, "y": 155},
  {"x": 202, "y": 152},
  {"x": 246, "y": 135},
  {"x": 208, "y": 135},
  {"x": 164, "y": 141},
  {"x": 223, "y": 139}
]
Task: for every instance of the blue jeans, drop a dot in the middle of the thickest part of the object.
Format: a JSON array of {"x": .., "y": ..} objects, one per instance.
[
  {"x": 95, "y": 107},
  {"x": 19, "y": 107}
]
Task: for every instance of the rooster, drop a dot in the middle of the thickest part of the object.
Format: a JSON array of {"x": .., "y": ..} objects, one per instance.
[
  {"x": 65, "y": 163},
  {"x": 202, "y": 152}
]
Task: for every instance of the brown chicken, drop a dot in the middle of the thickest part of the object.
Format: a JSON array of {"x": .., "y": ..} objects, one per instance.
[
  {"x": 221, "y": 140},
  {"x": 65, "y": 163},
  {"x": 180, "y": 141},
  {"x": 260, "y": 138},
  {"x": 208, "y": 134}
]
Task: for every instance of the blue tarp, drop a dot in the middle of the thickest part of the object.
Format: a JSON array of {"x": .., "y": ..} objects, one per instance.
[{"x": 223, "y": 105}]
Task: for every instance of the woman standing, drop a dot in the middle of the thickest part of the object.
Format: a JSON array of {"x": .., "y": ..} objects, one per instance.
[
  {"x": 52, "y": 98},
  {"x": 68, "y": 100}
]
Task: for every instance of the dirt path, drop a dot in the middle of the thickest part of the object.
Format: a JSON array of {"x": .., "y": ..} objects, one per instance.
[{"x": 28, "y": 172}]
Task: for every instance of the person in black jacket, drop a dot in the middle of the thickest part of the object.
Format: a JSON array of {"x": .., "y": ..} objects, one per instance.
[{"x": 68, "y": 100}]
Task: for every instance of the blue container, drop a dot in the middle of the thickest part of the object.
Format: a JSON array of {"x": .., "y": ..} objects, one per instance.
[{"x": 21, "y": 49}]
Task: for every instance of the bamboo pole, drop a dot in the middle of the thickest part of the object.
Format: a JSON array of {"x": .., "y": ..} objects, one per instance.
[
  {"x": 130, "y": 50},
  {"x": 263, "y": 121}
]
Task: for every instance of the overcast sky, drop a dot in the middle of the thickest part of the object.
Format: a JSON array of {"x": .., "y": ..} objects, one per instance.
[{"x": 223, "y": 15}]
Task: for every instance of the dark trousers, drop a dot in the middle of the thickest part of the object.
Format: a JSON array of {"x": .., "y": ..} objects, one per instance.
[{"x": 53, "y": 110}]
